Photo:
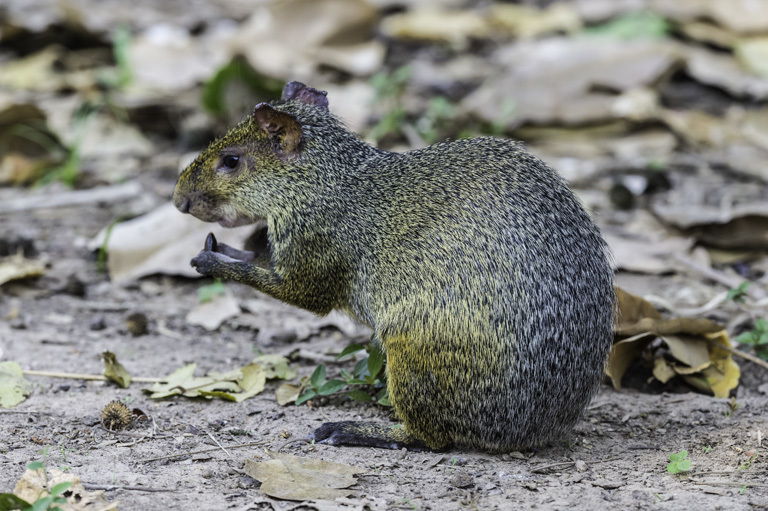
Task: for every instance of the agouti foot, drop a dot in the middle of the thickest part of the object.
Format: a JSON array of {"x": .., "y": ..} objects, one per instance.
[{"x": 366, "y": 434}]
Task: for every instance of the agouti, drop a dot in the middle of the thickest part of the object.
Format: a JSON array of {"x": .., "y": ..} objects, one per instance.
[{"x": 487, "y": 285}]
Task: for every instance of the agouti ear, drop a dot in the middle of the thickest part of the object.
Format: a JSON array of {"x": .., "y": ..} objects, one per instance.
[
  {"x": 283, "y": 129},
  {"x": 307, "y": 95}
]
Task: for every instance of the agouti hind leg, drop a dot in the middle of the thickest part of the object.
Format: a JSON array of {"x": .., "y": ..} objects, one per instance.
[{"x": 367, "y": 434}]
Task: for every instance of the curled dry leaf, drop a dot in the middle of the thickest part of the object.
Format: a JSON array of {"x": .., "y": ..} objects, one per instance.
[
  {"x": 291, "y": 477},
  {"x": 696, "y": 347},
  {"x": 18, "y": 267},
  {"x": 114, "y": 370}
]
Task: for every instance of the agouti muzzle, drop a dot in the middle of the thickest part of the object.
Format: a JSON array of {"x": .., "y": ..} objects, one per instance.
[{"x": 486, "y": 283}]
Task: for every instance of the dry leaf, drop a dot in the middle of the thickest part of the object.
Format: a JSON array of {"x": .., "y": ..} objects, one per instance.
[
  {"x": 35, "y": 484},
  {"x": 17, "y": 267},
  {"x": 290, "y": 39},
  {"x": 13, "y": 387},
  {"x": 182, "y": 381},
  {"x": 211, "y": 314},
  {"x": 692, "y": 344},
  {"x": 287, "y": 393},
  {"x": 565, "y": 80},
  {"x": 114, "y": 370},
  {"x": 162, "y": 241},
  {"x": 291, "y": 477},
  {"x": 436, "y": 25}
]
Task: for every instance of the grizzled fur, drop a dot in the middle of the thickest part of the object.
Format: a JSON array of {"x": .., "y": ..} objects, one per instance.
[{"x": 485, "y": 281}]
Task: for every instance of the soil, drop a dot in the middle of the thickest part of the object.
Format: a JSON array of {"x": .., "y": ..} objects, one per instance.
[{"x": 616, "y": 457}]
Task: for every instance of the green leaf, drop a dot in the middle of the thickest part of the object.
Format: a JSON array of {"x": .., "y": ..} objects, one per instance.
[
  {"x": 35, "y": 465},
  {"x": 361, "y": 368},
  {"x": 349, "y": 350},
  {"x": 763, "y": 339},
  {"x": 762, "y": 325},
  {"x": 356, "y": 381},
  {"x": 684, "y": 466},
  {"x": 318, "y": 376},
  {"x": 211, "y": 291},
  {"x": 331, "y": 387},
  {"x": 746, "y": 338},
  {"x": 60, "y": 488},
  {"x": 375, "y": 361},
  {"x": 42, "y": 504},
  {"x": 359, "y": 395},
  {"x": 309, "y": 394},
  {"x": 9, "y": 501}
]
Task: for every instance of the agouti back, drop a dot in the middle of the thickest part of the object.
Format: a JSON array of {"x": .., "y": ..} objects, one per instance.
[{"x": 486, "y": 283}]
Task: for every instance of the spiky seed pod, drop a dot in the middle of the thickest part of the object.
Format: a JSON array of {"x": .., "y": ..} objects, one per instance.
[{"x": 116, "y": 416}]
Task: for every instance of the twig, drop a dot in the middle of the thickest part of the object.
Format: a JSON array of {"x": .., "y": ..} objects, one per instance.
[
  {"x": 118, "y": 487},
  {"x": 221, "y": 446},
  {"x": 294, "y": 441},
  {"x": 109, "y": 194},
  {"x": 731, "y": 483},
  {"x": 728, "y": 281},
  {"x": 734, "y": 351},
  {"x": 203, "y": 451},
  {"x": 94, "y": 377}
]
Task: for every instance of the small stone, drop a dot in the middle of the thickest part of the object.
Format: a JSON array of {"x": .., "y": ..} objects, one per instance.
[
  {"x": 580, "y": 466},
  {"x": 97, "y": 323},
  {"x": 462, "y": 480}
]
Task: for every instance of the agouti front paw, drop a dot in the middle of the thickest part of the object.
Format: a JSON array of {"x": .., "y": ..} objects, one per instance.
[{"x": 211, "y": 263}]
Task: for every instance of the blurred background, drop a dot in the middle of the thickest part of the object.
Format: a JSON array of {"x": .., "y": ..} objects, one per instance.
[{"x": 654, "y": 111}]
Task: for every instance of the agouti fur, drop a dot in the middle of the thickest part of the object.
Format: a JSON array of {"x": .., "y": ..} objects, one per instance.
[{"x": 486, "y": 283}]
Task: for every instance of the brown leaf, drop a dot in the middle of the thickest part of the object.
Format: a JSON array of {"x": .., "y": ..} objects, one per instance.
[{"x": 692, "y": 344}]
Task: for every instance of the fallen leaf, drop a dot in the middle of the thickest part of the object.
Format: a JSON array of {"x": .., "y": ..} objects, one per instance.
[
  {"x": 752, "y": 53},
  {"x": 692, "y": 347},
  {"x": 524, "y": 21},
  {"x": 182, "y": 381},
  {"x": 162, "y": 241},
  {"x": 291, "y": 39},
  {"x": 740, "y": 16},
  {"x": 35, "y": 484},
  {"x": 114, "y": 370},
  {"x": 211, "y": 314},
  {"x": 275, "y": 366},
  {"x": 287, "y": 393},
  {"x": 291, "y": 477},
  {"x": 250, "y": 380},
  {"x": 13, "y": 386},
  {"x": 437, "y": 25},
  {"x": 18, "y": 267},
  {"x": 623, "y": 354},
  {"x": 567, "y": 80}
]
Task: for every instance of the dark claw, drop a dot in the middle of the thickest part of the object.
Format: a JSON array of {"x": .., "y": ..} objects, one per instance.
[{"x": 211, "y": 245}]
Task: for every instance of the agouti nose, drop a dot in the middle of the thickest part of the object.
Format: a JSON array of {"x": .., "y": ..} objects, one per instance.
[{"x": 184, "y": 206}]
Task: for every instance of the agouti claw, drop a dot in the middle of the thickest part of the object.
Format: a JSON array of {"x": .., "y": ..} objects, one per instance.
[{"x": 211, "y": 245}]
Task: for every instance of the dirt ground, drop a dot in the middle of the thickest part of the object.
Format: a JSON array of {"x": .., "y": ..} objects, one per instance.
[
  {"x": 661, "y": 134},
  {"x": 615, "y": 459}
]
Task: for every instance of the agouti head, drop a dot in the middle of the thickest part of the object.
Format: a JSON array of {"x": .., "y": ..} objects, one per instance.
[{"x": 241, "y": 176}]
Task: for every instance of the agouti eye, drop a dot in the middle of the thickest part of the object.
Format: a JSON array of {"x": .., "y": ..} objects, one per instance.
[{"x": 230, "y": 162}]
